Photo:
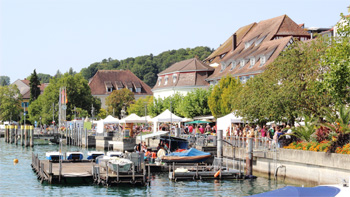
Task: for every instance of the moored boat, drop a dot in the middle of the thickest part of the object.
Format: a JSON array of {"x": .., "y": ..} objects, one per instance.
[
  {"x": 93, "y": 154},
  {"x": 188, "y": 156},
  {"x": 119, "y": 164},
  {"x": 114, "y": 154},
  {"x": 75, "y": 156},
  {"x": 54, "y": 156}
]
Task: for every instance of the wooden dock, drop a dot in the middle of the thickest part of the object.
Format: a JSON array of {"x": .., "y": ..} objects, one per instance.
[{"x": 82, "y": 172}]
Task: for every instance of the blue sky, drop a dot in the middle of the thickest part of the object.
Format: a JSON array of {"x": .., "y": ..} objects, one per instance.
[{"x": 51, "y": 35}]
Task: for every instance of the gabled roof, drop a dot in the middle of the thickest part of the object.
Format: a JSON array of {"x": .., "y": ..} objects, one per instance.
[
  {"x": 268, "y": 38},
  {"x": 193, "y": 64},
  {"x": 227, "y": 45},
  {"x": 115, "y": 79}
]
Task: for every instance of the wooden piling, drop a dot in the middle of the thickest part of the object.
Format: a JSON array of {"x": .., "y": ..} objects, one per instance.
[
  {"x": 31, "y": 136},
  {"x": 249, "y": 157}
]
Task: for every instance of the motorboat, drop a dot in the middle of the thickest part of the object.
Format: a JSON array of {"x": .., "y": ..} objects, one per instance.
[
  {"x": 93, "y": 154},
  {"x": 75, "y": 156},
  {"x": 115, "y": 154},
  {"x": 188, "y": 156},
  {"x": 54, "y": 156},
  {"x": 117, "y": 164}
]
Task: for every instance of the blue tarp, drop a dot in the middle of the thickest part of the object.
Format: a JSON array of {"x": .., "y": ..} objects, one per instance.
[
  {"x": 189, "y": 152},
  {"x": 302, "y": 191}
]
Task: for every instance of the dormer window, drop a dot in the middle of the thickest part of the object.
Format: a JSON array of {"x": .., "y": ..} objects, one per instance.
[
  {"x": 109, "y": 89},
  {"x": 222, "y": 55},
  {"x": 234, "y": 64},
  {"x": 262, "y": 60},
  {"x": 223, "y": 66},
  {"x": 242, "y": 63},
  {"x": 252, "y": 62},
  {"x": 246, "y": 45},
  {"x": 174, "y": 78},
  {"x": 138, "y": 90},
  {"x": 166, "y": 80},
  {"x": 159, "y": 81}
]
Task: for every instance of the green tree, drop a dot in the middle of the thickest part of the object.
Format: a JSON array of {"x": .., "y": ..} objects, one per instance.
[
  {"x": 337, "y": 63},
  {"x": 78, "y": 94},
  {"x": 102, "y": 114},
  {"x": 4, "y": 80},
  {"x": 10, "y": 99},
  {"x": 195, "y": 103},
  {"x": 139, "y": 106},
  {"x": 34, "y": 84},
  {"x": 119, "y": 98},
  {"x": 222, "y": 98}
]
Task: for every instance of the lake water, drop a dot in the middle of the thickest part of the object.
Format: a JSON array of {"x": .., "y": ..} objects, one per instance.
[{"x": 20, "y": 180}]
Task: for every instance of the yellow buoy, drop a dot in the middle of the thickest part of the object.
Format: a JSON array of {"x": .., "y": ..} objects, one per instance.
[{"x": 15, "y": 161}]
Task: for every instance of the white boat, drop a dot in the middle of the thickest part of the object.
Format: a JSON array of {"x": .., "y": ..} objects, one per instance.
[
  {"x": 119, "y": 164},
  {"x": 115, "y": 154},
  {"x": 93, "y": 154},
  {"x": 75, "y": 156},
  {"x": 53, "y": 156}
]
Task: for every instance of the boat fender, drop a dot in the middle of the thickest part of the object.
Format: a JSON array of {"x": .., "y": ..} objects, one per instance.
[{"x": 217, "y": 173}]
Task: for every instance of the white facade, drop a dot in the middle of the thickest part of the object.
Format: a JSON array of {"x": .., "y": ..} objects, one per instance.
[{"x": 166, "y": 92}]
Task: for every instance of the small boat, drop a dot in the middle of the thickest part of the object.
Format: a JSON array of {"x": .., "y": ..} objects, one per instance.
[
  {"x": 189, "y": 156},
  {"x": 124, "y": 164},
  {"x": 115, "y": 154},
  {"x": 75, "y": 156},
  {"x": 54, "y": 156},
  {"x": 93, "y": 154}
]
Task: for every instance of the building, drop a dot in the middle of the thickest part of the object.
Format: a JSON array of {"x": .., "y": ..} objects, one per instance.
[
  {"x": 104, "y": 82},
  {"x": 253, "y": 47},
  {"x": 24, "y": 89},
  {"x": 182, "y": 77}
]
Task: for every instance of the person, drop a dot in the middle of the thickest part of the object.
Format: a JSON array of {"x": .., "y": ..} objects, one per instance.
[
  {"x": 263, "y": 132},
  {"x": 201, "y": 129},
  {"x": 190, "y": 129},
  {"x": 186, "y": 129},
  {"x": 228, "y": 133},
  {"x": 214, "y": 129},
  {"x": 159, "y": 146},
  {"x": 207, "y": 128},
  {"x": 197, "y": 131},
  {"x": 289, "y": 131},
  {"x": 144, "y": 147}
]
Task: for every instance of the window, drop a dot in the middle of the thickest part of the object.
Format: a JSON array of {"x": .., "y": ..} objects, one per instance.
[
  {"x": 234, "y": 64},
  {"x": 262, "y": 60},
  {"x": 246, "y": 45},
  {"x": 174, "y": 78},
  {"x": 252, "y": 62},
  {"x": 25, "y": 104},
  {"x": 223, "y": 66},
  {"x": 159, "y": 81},
  {"x": 242, "y": 63},
  {"x": 138, "y": 90},
  {"x": 131, "y": 89},
  {"x": 109, "y": 89},
  {"x": 222, "y": 55},
  {"x": 166, "y": 80}
]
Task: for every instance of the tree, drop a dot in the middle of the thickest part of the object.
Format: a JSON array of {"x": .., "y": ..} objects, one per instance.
[
  {"x": 118, "y": 99},
  {"x": 78, "y": 93},
  {"x": 102, "y": 114},
  {"x": 4, "y": 80},
  {"x": 195, "y": 103},
  {"x": 139, "y": 106},
  {"x": 337, "y": 61},
  {"x": 34, "y": 84},
  {"x": 10, "y": 99},
  {"x": 222, "y": 98}
]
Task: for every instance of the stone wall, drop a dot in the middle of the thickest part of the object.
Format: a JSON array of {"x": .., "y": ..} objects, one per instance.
[{"x": 318, "y": 167}]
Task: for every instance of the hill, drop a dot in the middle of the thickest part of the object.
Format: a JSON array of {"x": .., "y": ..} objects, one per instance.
[{"x": 146, "y": 67}]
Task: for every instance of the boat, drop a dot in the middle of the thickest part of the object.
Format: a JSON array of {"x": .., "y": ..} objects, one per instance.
[
  {"x": 93, "y": 154},
  {"x": 75, "y": 156},
  {"x": 188, "y": 156},
  {"x": 328, "y": 190},
  {"x": 54, "y": 156},
  {"x": 115, "y": 154},
  {"x": 117, "y": 164}
]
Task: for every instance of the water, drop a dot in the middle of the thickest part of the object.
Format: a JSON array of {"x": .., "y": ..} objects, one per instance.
[{"x": 20, "y": 180}]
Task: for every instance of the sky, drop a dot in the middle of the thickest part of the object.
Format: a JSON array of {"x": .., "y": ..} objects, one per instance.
[{"x": 51, "y": 35}]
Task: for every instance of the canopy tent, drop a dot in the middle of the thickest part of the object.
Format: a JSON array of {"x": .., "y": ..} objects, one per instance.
[
  {"x": 108, "y": 120},
  {"x": 132, "y": 118},
  {"x": 225, "y": 122},
  {"x": 197, "y": 122},
  {"x": 165, "y": 116},
  {"x": 147, "y": 118}
]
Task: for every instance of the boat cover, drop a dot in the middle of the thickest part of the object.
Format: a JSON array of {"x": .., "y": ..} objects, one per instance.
[
  {"x": 189, "y": 152},
  {"x": 303, "y": 191}
]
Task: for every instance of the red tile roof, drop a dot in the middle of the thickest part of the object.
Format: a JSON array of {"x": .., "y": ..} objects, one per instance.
[
  {"x": 267, "y": 38},
  {"x": 193, "y": 64},
  {"x": 117, "y": 78}
]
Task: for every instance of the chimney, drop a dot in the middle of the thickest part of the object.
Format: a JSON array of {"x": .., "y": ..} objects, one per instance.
[{"x": 234, "y": 41}]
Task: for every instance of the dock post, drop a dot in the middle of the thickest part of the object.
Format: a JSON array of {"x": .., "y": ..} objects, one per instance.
[
  {"x": 50, "y": 171},
  {"x": 219, "y": 144},
  {"x": 133, "y": 172},
  {"x": 149, "y": 173},
  {"x": 31, "y": 130},
  {"x": 11, "y": 134},
  {"x": 16, "y": 136},
  {"x": 86, "y": 138},
  {"x": 117, "y": 173},
  {"x": 144, "y": 173},
  {"x": 22, "y": 142},
  {"x": 107, "y": 175},
  {"x": 249, "y": 157},
  {"x": 25, "y": 136}
]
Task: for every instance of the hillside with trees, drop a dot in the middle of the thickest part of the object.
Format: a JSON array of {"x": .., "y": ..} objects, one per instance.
[{"x": 148, "y": 66}]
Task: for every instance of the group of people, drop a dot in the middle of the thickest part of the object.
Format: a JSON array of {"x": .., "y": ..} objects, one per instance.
[
  {"x": 272, "y": 134},
  {"x": 199, "y": 129}
]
